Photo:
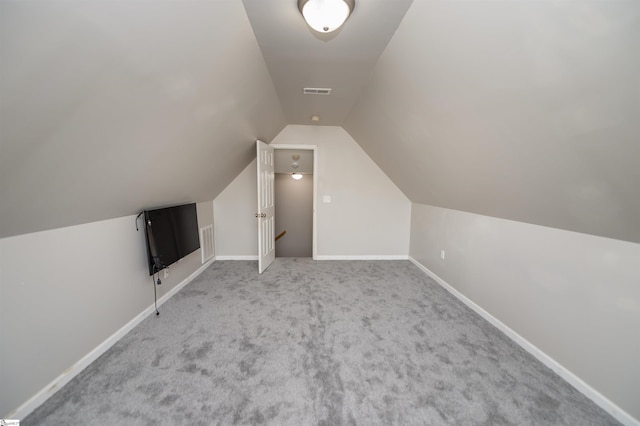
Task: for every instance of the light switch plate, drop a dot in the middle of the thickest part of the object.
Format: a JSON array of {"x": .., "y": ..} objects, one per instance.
[{"x": 326, "y": 199}]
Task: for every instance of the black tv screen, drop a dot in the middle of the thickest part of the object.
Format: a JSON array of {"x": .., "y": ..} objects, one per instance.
[{"x": 172, "y": 233}]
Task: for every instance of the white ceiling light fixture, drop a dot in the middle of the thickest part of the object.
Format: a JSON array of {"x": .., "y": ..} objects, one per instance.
[
  {"x": 294, "y": 166},
  {"x": 326, "y": 16}
]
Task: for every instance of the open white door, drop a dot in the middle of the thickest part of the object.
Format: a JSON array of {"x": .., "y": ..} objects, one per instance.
[{"x": 266, "y": 209}]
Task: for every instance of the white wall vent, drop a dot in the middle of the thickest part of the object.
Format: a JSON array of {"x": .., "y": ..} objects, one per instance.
[
  {"x": 206, "y": 242},
  {"x": 316, "y": 91}
]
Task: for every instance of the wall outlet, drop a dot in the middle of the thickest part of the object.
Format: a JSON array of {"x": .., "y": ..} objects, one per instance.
[
  {"x": 166, "y": 272},
  {"x": 442, "y": 253}
]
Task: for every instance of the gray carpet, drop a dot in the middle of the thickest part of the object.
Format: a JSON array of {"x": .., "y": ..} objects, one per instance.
[{"x": 316, "y": 343}]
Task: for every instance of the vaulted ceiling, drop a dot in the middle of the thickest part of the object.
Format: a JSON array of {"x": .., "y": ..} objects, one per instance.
[
  {"x": 110, "y": 107},
  {"x": 528, "y": 111},
  {"x": 524, "y": 110},
  {"x": 298, "y": 57}
]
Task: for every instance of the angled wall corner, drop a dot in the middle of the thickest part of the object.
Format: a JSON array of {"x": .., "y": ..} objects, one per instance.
[
  {"x": 575, "y": 297},
  {"x": 105, "y": 114},
  {"x": 526, "y": 111},
  {"x": 86, "y": 281},
  {"x": 363, "y": 199}
]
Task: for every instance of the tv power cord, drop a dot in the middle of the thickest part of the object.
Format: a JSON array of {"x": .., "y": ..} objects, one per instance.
[{"x": 154, "y": 283}]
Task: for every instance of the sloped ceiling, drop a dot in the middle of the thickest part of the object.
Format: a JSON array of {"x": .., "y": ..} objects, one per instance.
[
  {"x": 521, "y": 110},
  {"x": 528, "y": 111},
  {"x": 110, "y": 107},
  {"x": 298, "y": 57}
]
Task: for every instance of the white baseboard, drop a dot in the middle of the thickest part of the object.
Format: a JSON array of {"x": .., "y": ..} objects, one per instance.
[
  {"x": 364, "y": 257},
  {"x": 328, "y": 257},
  {"x": 250, "y": 257},
  {"x": 606, "y": 404},
  {"x": 45, "y": 393}
]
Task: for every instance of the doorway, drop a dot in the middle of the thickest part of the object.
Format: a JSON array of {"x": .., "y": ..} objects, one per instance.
[{"x": 295, "y": 200}]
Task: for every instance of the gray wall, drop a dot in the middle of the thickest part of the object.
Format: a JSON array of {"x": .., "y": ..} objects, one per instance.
[
  {"x": 108, "y": 107},
  {"x": 65, "y": 291},
  {"x": 576, "y": 297},
  {"x": 363, "y": 199},
  {"x": 294, "y": 213},
  {"x": 524, "y": 110}
]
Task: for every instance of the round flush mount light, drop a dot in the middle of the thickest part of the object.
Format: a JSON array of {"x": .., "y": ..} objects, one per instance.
[
  {"x": 296, "y": 176},
  {"x": 326, "y": 16}
]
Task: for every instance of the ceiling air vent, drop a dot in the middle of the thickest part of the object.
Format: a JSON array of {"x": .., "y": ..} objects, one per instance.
[{"x": 316, "y": 91}]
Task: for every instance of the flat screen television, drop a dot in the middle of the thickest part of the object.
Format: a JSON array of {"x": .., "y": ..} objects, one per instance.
[{"x": 172, "y": 233}]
